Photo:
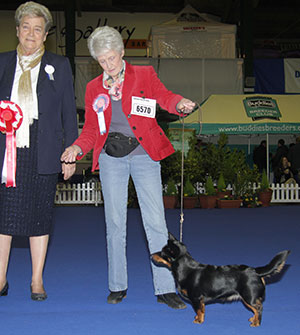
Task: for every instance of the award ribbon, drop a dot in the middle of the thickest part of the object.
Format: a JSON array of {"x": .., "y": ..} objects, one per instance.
[
  {"x": 100, "y": 104},
  {"x": 11, "y": 117}
]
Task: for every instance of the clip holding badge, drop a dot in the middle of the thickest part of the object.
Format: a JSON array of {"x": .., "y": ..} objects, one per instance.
[{"x": 100, "y": 104}]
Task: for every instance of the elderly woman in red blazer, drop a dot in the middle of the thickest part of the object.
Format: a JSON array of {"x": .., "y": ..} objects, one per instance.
[{"x": 121, "y": 128}]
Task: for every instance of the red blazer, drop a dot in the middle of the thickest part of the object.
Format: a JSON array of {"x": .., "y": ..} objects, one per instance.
[{"x": 140, "y": 81}]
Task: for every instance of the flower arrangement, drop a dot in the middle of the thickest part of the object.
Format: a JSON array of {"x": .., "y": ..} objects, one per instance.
[
  {"x": 250, "y": 200},
  {"x": 228, "y": 197}
]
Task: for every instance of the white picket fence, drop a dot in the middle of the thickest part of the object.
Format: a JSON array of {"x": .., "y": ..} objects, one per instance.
[
  {"x": 285, "y": 193},
  {"x": 282, "y": 193},
  {"x": 90, "y": 193},
  {"x": 81, "y": 194}
]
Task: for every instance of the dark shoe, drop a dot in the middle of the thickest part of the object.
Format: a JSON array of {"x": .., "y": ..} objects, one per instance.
[
  {"x": 172, "y": 300},
  {"x": 116, "y": 297},
  {"x": 38, "y": 296},
  {"x": 4, "y": 291}
]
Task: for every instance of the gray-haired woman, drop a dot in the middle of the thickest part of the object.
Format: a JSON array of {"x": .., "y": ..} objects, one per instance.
[
  {"x": 40, "y": 83},
  {"x": 121, "y": 128}
]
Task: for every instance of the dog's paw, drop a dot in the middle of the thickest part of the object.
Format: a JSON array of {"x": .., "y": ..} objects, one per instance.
[
  {"x": 198, "y": 320},
  {"x": 254, "y": 322}
]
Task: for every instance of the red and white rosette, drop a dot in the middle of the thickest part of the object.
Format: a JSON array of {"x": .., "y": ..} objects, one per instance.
[{"x": 11, "y": 117}]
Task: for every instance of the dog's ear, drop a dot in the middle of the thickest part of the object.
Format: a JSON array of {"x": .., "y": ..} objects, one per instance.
[{"x": 172, "y": 237}]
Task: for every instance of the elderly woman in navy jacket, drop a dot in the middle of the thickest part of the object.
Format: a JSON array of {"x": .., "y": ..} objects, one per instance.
[
  {"x": 126, "y": 140},
  {"x": 40, "y": 83}
]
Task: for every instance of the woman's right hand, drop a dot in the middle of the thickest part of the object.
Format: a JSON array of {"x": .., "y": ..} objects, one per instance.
[{"x": 70, "y": 154}]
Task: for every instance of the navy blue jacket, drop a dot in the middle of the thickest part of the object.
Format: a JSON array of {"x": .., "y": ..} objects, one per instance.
[{"x": 57, "y": 125}]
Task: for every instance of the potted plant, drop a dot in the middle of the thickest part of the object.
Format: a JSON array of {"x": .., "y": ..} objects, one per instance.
[
  {"x": 189, "y": 195},
  {"x": 233, "y": 200},
  {"x": 170, "y": 194},
  {"x": 242, "y": 184},
  {"x": 221, "y": 187},
  {"x": 229, "y": 201},
  {"x": 209, "y": 198},
  {"x": 265, "y": 192}
]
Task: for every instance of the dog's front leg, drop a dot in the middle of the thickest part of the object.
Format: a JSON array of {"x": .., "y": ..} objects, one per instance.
[{"x": 199, "y": 308}]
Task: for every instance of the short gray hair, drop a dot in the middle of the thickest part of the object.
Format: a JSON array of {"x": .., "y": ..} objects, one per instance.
[
  {"x": 104, "y": 39},
  {"x": 34, "y": 9}
]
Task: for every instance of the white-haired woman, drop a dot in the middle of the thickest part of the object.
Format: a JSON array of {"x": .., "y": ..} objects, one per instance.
[
  {"x": 40, "y": 83},
  {"x": 121, "y": 128}
]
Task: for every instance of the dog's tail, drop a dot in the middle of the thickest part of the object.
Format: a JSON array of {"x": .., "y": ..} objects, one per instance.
[{"x": 275, "y": 266}]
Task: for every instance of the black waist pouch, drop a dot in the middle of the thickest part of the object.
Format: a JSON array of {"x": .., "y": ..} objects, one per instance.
[{"x": 119, "y": 145}]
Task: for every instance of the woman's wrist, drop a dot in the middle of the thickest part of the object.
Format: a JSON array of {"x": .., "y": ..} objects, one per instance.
[{"x": 78, "y": 150}]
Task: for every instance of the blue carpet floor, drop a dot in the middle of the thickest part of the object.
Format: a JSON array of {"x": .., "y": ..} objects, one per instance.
[{"x": 76, "y": 275}]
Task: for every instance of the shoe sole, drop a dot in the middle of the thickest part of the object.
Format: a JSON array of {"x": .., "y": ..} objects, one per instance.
[
  {"x": 114, "y": 302},
  {"x": 177, "y": 307}
]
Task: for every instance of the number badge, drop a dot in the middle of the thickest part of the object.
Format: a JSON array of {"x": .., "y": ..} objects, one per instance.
[{"x": 143, "y": 107}]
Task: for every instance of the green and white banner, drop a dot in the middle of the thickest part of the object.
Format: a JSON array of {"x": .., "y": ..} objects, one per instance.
[{"x": 245, "y": 114}]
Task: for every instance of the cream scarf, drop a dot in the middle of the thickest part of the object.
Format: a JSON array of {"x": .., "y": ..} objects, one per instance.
[{"x": 25, "y": 98}]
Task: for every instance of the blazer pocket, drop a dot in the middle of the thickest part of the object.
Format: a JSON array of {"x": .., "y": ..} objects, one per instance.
[{"x": 159, "y": 139}]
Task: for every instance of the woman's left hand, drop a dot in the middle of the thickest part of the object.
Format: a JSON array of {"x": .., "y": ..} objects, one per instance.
[
  {"x": 185, "y": 106},
  {"x": 68, "y": 170}
]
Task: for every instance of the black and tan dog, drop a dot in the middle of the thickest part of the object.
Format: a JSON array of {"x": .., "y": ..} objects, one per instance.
[{"x": 202, "y": 283}]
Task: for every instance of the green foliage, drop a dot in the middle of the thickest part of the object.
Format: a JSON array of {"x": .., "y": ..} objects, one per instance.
[
  {"x": 193, "y": 169},
  {"x": 232, "y": 164},
  {"x": 189, "y": 189},
  {"x": 221, "y": 186},
  {"x": 217, "y": 159},
  {"x": 209, "y": 186},
  {"x": 171, "y": 188},
  {"x": 221, "y": 163},
  {"x": 264, "y": 185},
  {"x": 243, "y": 181},
  {"x": 171, "y": 168}
]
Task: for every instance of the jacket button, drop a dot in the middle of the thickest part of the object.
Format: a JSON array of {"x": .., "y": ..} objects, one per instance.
[
  {"x": 134, "y": 127},
  {"x": 129, "y": 116},
  {"x": 160, "y": 133},
  {"x": 140, "y": 138}
]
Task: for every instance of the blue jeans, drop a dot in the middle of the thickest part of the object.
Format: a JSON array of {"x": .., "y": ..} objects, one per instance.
[{"x": 114, "y": 176}]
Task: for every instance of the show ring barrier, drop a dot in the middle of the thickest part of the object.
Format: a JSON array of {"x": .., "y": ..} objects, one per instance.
[
  {"x": 90, "y": 193},
  {"x": 79, "y": 194}
]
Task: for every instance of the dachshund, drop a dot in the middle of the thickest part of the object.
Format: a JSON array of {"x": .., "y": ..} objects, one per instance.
[{"x": 202, "y": 283}]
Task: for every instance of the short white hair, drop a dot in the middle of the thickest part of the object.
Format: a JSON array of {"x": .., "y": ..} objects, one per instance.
[
  {"x": 34, "y": 9},
  {"x": 104, "y": 39}
]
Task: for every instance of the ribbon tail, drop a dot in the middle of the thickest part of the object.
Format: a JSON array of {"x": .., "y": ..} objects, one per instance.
[
  {"x": 4, "y": 169},
  {"x": 101, "y": 121}
]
